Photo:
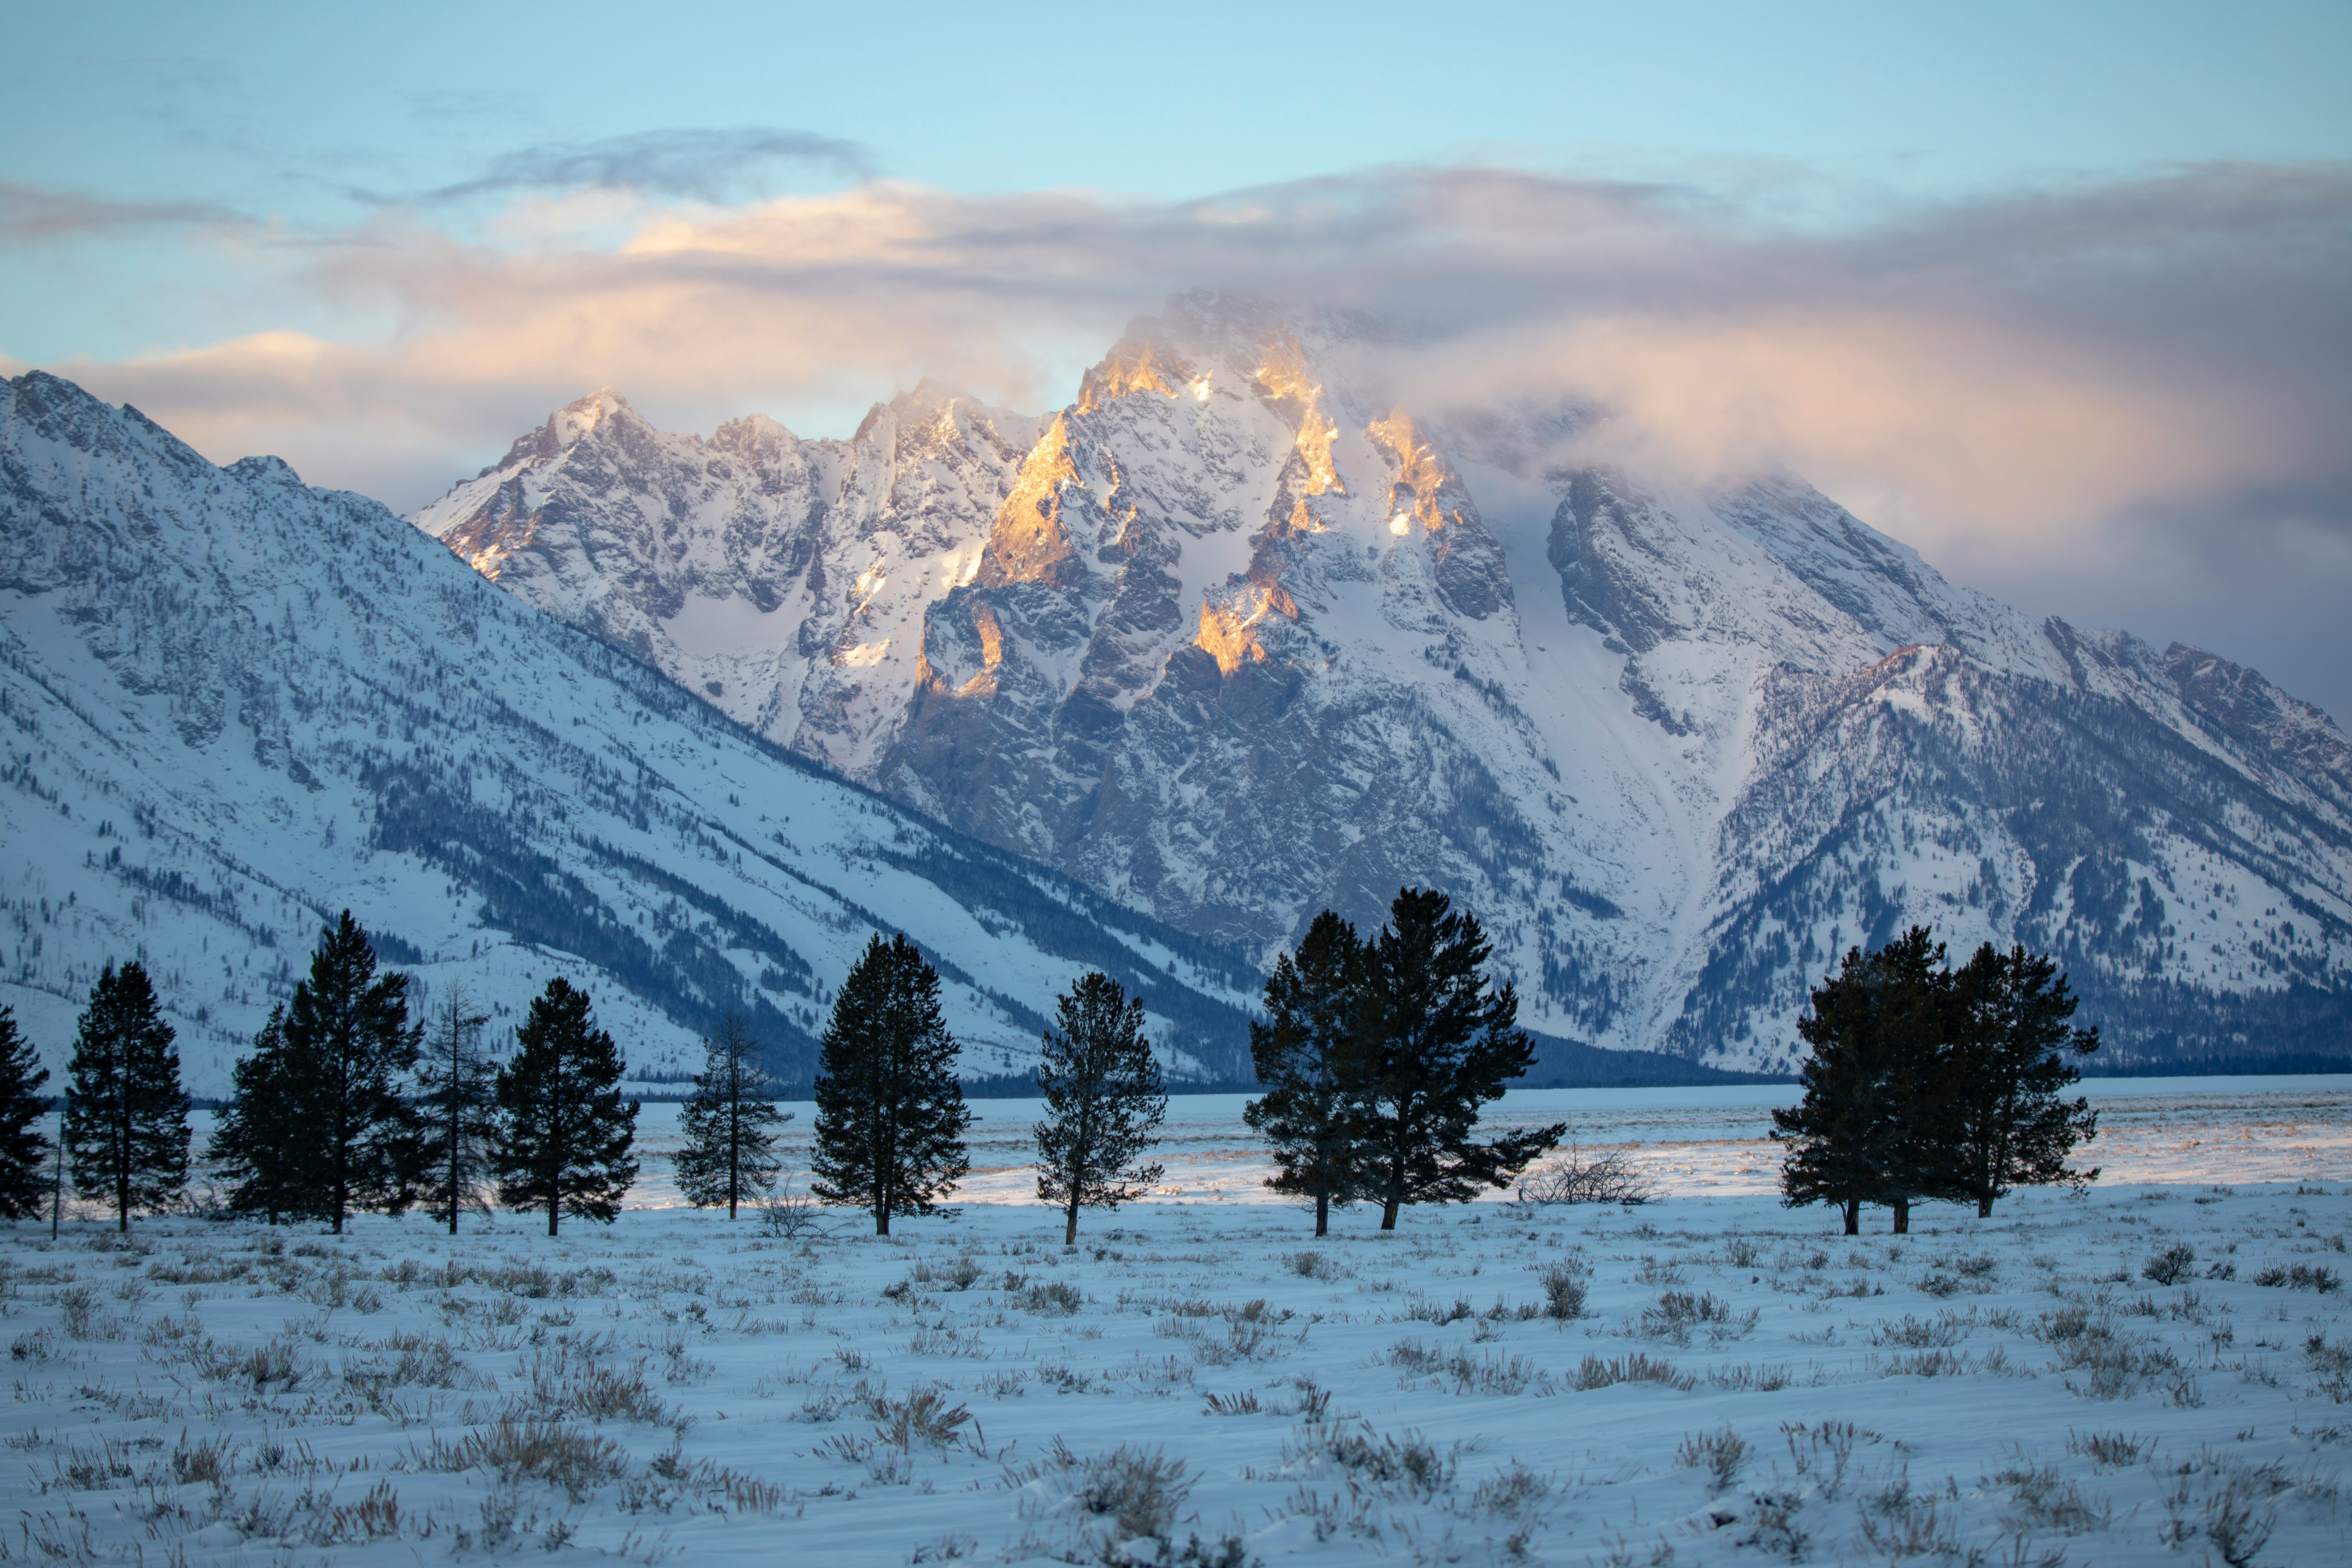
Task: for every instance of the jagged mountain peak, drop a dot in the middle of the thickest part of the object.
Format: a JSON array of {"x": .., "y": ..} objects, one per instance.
[
  {"x": 1286, "y": 352},
  {"x": 566, "y": 427}
]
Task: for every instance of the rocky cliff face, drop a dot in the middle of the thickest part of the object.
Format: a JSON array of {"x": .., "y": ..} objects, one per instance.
[
  {"x": 1232, "y": 640},
  {"x": 782, "y": 580}
]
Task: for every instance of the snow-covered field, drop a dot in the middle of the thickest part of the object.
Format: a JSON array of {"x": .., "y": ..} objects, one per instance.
[{"x": 1201, "y": 1380}]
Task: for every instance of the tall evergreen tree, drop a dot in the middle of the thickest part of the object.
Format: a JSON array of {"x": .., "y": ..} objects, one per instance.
[
  {"x": 2004, "y": 1124},
  {"x": 1436, "y": 1042},
  {"x": 890, "y": 1116},
  {"x": 1867, "y": 1128},
  {"x": 564, "y": 1131},
  {"x": 126, "y": 1123},
  {"x": 730, "y": 1123},
  {"x": 348, "y": 1045},
  {"x": 25, "y": 1179},
  {"x": 457, "y": 1103},
  {"x": 1104, "y": 1102},
  {"x": 261, "y": 1143},
  {"x": 1310, "y": 1113}
]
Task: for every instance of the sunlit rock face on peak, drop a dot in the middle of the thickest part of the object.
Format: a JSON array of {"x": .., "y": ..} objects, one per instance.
[
  {"x": 1210, "y": 655},
  {"x": 1233, "y": 639}
]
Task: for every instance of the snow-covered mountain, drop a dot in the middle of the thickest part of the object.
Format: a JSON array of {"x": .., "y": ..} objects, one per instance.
[
  {"x": 1231, "y": 639},
  {"x": 234, "y": 705}
]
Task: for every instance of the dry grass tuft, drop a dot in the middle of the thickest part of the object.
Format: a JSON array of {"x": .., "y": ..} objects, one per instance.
[{"x": 1719, "y": 1454}]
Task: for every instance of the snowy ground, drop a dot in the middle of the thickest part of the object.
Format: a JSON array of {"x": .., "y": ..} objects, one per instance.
[{"x": 1200, "y": 1380}]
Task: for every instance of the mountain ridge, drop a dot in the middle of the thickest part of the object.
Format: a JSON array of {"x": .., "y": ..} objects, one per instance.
[
  {"x": 1235, "y": 638},
  {"x": 236, "y": 704}
]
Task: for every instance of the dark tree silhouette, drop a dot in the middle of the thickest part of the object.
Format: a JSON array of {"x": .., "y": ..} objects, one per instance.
[
  {"x": 1103, "y": 1101},
  {"x": 347, "y": 1047},
  {"x": 1436, "y": 1042},
  {"x": 890, "y": 1116},
  {"x": 126, "y": 1123},
  {"x": 564, "y": 1131},
  {"x": 1311, "y": 1114},
  {"x": 1865, "y": 1130},
  {"x": 2003, "y": 1124},
  {"x": 730, "y": 1123},
  {"x": 457, "y": 1103},
  {"x": 25, "y": 1174},
  {"x": 261, "y": 1142}
]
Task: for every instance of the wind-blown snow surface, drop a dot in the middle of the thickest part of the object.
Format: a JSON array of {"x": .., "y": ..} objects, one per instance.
[
  {"x": 1741, "y": 1384},
  {"x": 236, "y": 705},
  {"x": 1234, "y": 639}
]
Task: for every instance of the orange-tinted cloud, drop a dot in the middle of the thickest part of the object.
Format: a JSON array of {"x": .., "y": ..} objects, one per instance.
[{"x": 2008, "y": 366}]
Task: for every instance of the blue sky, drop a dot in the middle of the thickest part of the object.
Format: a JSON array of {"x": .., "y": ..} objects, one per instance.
[{"x": 2084, "y": 253}]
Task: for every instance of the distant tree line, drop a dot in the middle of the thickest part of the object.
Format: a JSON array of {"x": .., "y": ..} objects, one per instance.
[
  {"x": 1926, "y": 1083},
  {"x": 1377, "y": 1054},
  {"x": 343, "y": 1106}
]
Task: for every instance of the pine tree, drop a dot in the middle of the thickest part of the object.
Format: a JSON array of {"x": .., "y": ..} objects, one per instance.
[
  {"x": 564, "y": 1131},
  {"x": 24, "y": 1150},
  {"x": 1868, "y": 1126},
  {"x": 457, "y": 1089},
  {"x": 2004, "y": 1124},
  {"x": 347, "y": 1043},
  {"x": 890, "y": 1116},
  {"x": 1103, "y": 1102},
  {"x": 126, "y": 1123},
  {"x": 730, "y": 1123},
  {"x": 1436, "y": 1041},
  {"x": 260, "y": 1144},
  {"x": 1309, "y": 1114}
]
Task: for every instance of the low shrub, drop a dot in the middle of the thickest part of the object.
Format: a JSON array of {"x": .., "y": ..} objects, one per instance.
[
  {"x": 1574, "y": 1178},
  {"x": 1719, "y": 1454},
  {"x": 1564, "y": 1291},
  {"x": 2300, "y": 1276}
]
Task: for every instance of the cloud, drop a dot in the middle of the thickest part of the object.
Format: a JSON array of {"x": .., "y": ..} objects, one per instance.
[
  {"x": 2057, "y": 374},
  {"x": 30, "y": 215},
  {"x": 709, "y": 166}
]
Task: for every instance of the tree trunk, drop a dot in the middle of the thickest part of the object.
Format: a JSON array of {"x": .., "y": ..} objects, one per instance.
[
  {"x": 1984, "y": 1206},
  {"x": 1322, "y": 1213},
  {"x": 1070, "y": 1230},
  {"x": 1853, "y": 1216},
  {"x": 554, "y": 1206},
  {"x": 1388, "y": 1215},
  {"x": 1903, "y": 1216},
  {"x": 881, "y": 1219}
]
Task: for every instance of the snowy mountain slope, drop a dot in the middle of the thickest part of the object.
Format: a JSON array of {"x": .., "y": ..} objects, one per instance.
[
  {"x": 234, "y": 705},
  {"x": 1242, "y": 641}
]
